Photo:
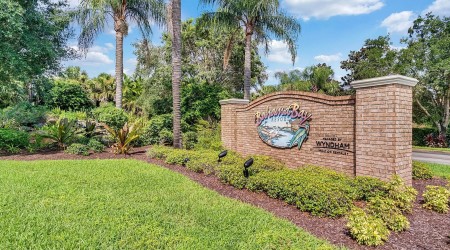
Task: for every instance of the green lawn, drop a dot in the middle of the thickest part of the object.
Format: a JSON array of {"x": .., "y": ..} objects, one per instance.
[
  {"x": 440, "y": 170},
  {"x": 129, "y": 204},
  {"x": 445, "y": 150}
]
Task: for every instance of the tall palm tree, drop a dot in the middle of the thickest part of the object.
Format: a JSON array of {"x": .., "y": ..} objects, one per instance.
[
  {"x": 261, "y": 20},
  {"x": 175, "y": 31},
  {"x": 94, "y": 16}
]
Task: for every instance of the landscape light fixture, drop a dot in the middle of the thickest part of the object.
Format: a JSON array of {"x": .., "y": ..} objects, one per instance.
[
  {"x": 247, "y": 164},
  {"x": 221, "y": 155},
  {"x": 185, "y": 161}
]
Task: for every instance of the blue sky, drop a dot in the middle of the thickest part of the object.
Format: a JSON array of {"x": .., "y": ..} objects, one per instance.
[{"x": 330, "y": 30}]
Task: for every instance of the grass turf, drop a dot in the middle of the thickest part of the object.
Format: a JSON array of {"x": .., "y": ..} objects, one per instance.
[
  {"x": 129, "y": 204},
  {"x": 444, "y": 150},
  {"x": 440, "y": 170}
]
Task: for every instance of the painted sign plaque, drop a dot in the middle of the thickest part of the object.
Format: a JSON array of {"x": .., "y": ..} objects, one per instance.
[{"x": 283, "y": 127}]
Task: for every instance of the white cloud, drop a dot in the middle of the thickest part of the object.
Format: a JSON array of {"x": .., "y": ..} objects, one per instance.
[
  {"x": 328, "y": 58},
  {"x": 279, "y": 52},
  {"x": 399, "y": 22},
  {"x": 324, "y": 9},
  {"x": 439, "y": 7},
  {"x": 109, "y": 46},
  {"x": 73, "y": 3},
  {"x": 96, "y": 56}
]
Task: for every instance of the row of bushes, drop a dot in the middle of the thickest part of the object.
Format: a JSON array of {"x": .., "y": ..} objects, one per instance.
[{"x": 320, "y": 191}]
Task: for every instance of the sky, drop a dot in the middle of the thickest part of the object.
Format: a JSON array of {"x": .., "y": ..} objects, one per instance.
[{"x": 330, "y": 30}]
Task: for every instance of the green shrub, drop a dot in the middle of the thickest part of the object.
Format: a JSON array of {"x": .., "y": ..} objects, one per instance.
[
  {"x": 24, "y": 114},
  {"x": 96, "y": 146},
  {"x": 177, "y": 156},
  {"x": 421, "y": 171},
  {"x": 150, "y": 134},
  {"x": 419, "y": 134},
  {"x": 124, "y": 137},
  {"x": 111, "y": 116},
  {"x": 312, "y": 189},
  {"x": 386, "y": 209},
  {"x": 159, "y": 152},
  {"x": 402, "y": 195},
  {"x": 63, "y": 132},
  {"x": 367, "y": 229},
  {"x": 233, "y": 175},
  {"x": 68, "y": 96},
  {"x": 189, "y": 139},
  {"x": 368, "y": 187},
  {"x": 77, "y": 149},
  {"x": 208, "y": 136},
  {"x": 165, "y": 137},
  {"x": 436, "y": 198},
  {"x": 8, "y": 123},
  {"x": 204, "y": 161},
  {"x": 10, "y": 139}
]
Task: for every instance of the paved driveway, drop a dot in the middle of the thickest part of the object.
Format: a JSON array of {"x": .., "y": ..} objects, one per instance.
[{"x": 434, "y": 157}]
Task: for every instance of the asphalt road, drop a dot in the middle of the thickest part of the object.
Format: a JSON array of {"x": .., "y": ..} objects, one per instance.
[{"x": 434, "y": 157}]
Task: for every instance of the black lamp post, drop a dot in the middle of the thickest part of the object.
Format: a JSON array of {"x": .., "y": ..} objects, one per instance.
[
  {"x": 221, "y": 155},
  {"x": 247, "y": 164}
]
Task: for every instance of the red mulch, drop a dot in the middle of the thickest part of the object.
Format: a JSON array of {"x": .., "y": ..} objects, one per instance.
[{"x": 429, "y": 230}]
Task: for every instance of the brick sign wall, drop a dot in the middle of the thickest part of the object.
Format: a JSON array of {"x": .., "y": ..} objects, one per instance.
[{"x": 368, "y": 134}]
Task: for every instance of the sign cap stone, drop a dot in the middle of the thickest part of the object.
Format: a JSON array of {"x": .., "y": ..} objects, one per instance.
[{"x": 385, "y": 80}]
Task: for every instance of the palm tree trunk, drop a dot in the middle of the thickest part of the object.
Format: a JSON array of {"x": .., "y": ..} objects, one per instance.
[
  {"x": 119, "y": 68},
  {"x": 176, "y": 74},
  {"x": 247, "y": 66}
]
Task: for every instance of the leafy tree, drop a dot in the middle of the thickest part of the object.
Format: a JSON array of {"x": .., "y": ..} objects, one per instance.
[
  {"x": 132, "y": 90},
  {"x": 68, "y": 95},
  {"x": 317, "y": 78},
  {"x": 259, "y": 19},
  {"x": 428, "y": 53},
  {"x": 376, "y": 58},
  {"x": 33, "y": 41},
  {"x": 93, "y": 16}
]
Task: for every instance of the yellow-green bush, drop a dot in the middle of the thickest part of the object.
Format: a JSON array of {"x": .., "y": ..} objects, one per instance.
[
  {"x": 403, "y": 196},
  {"x": 436, "y": 198},
  {"x": 421, "y": 171},
  {"x": 367, "y": 229},
  {"x": 386, "y": 210}
]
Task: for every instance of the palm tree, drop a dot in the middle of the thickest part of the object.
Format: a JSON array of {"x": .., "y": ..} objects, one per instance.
[
  {"x": 260, "y": 20},
  {"x": 175, "y": 31},
  {"x": 94, "y": 16},
  {"x": 101, "y": 88}
]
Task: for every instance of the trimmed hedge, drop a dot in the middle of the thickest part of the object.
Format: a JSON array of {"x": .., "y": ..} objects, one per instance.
[
  {"x": 320, "y": 191},
  {"x": 437, "y": 199}
]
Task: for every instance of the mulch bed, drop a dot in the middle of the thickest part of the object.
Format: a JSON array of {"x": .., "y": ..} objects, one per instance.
[{"x": 429, "y": 230}]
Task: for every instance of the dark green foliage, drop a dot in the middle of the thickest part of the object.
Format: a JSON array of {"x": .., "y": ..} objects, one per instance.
[
  {"x": 111, "y": 116},
  {"x": 33, "y": 42},
  {"x": 190, "y": 139},
  {"x": 320, "y": 191},
  {"x": 77, "y": 149},
  {"x": 166, "y": 137},
  {"x": 150, "y": 135},
  {"x": 63, "y": 132},
  {"x": 421, "y": 171},
  {"x": 208, "y": 136},
  {"x": 367, "y": 229},
  {"x": 24, "y": 114},
  {"x": 419, "y": 134},
  {"x": 68, "y": 95},
  {"x": 96, "y": 146},
  {"x": 368, "y": 187},
  {"x": 11, "y": 138},
  {"x": 437, "y": 198}
]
